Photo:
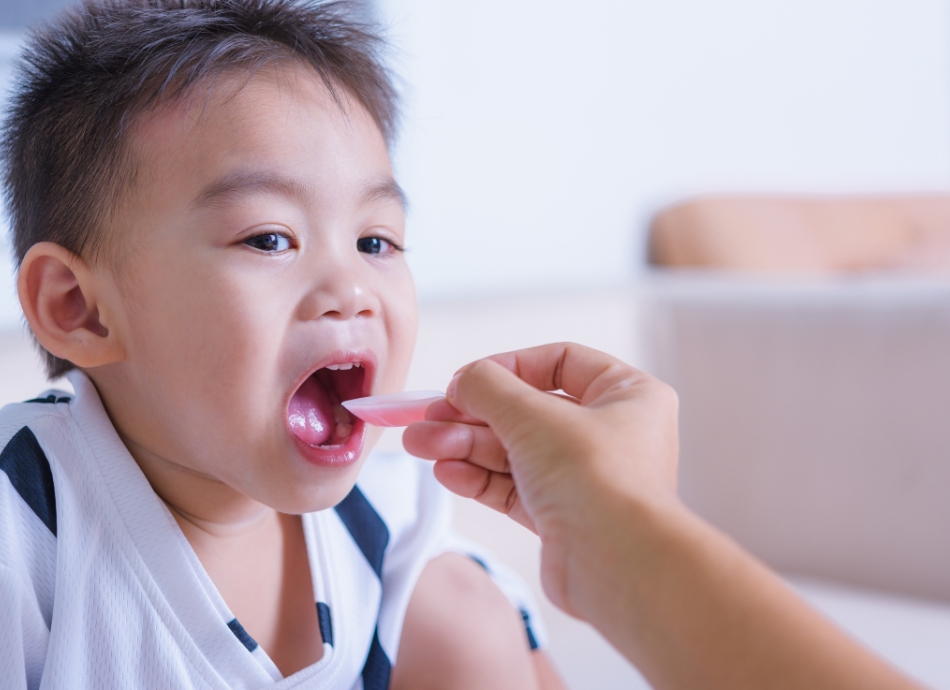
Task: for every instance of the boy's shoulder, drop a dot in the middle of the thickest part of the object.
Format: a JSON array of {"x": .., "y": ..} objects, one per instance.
[
  {"x": 28, "y": 430},
  {"x": 49, "y": 403},
  {"x": 26, "y": 470},
  {"x": 28, "y": 516}
]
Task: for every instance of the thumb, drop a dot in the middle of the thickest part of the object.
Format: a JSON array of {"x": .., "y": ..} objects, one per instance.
[{"x": 492, "y": 394}]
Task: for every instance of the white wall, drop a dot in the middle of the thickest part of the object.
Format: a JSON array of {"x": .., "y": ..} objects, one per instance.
[{"x": 540, "y": 136}]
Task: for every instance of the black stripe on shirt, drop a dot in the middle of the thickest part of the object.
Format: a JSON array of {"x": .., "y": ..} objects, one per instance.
[
  {"x": 525, "y": 616},
  {"x": 325, "y": 623},
  {"x": 480, "y": 562},
  {"x": 25, "y": 463},
  {"x": 377, "y": 669},
  {"x": 532, "y": 640},
  {"x": 49, "y": 399},
  {"x": 242, "y": 635},
  {"x": 371, "y": 535},
  {"x": 366, "y": 527}
]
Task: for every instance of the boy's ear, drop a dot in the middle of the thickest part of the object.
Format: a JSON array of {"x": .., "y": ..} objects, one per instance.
[{"x": 62, "y": 300}]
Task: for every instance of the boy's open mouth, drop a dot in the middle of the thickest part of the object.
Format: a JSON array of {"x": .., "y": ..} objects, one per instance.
[{"x": 315, "y": 414}]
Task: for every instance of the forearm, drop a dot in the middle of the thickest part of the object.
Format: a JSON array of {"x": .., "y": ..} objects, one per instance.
[{"x": 691, "y": 609}]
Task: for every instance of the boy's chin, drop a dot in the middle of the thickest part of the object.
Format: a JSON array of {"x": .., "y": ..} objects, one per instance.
[{"x": 296, "y": 497}]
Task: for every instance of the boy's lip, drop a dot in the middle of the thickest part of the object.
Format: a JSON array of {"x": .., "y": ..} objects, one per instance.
[
  {"x": 345, "y": 454},
  {"x": 366, "y": 358},
  {"x": 336, "y": 457}
]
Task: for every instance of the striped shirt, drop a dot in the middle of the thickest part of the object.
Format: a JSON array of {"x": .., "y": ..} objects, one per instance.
[{"x": 100, "y": 589}]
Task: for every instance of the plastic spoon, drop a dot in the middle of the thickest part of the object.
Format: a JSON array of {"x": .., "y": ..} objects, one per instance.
[{"x": 393, "y": 409}]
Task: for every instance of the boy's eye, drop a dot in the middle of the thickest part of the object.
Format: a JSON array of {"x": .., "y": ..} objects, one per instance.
[
  {"x": 373, "y": 245},
  {"x": 269, "y": 242}
]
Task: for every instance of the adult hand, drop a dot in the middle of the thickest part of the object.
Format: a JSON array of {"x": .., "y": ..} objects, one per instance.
[
  {"x": 593, "y": 473},
  {"x": 558, "y": 464}
]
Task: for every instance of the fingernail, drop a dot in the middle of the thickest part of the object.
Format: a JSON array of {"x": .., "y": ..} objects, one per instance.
[{"x": 450, "y": 390}]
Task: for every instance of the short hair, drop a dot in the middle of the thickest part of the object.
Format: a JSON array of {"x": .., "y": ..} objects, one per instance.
[{"x": 84, "y": 77}]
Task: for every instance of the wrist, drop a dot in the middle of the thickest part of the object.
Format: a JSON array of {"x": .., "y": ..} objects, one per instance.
[{"x": 612, "y": 555}]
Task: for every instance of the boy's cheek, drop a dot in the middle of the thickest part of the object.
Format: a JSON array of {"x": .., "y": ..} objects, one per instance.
[{"x": 404, "y": 332}]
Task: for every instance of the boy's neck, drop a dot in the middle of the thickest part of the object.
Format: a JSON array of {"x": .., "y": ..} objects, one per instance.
[
  {"x": 219, "y": 528},
  {"x": 207, "y": 504}
]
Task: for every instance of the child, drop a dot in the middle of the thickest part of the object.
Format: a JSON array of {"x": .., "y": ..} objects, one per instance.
[{"x": 209, "y": 241}]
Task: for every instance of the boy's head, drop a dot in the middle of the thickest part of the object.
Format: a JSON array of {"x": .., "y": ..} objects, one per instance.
[{"x": 205, "y": 221}]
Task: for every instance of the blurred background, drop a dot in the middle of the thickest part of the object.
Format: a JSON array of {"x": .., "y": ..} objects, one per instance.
[{"x": 749, "y": 200}]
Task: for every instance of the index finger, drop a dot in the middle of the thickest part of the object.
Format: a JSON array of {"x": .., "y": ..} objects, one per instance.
[{"x": 582, "y": 372}]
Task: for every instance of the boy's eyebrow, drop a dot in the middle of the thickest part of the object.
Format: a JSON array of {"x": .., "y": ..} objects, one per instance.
[
  {"x": 248, "y": 182},
  {"x": 244, "y": 182},
  {"x": 387, "y": 189}
]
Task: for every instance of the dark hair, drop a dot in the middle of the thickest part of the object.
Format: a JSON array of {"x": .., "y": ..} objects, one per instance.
[{"x": 84, "y": 77}]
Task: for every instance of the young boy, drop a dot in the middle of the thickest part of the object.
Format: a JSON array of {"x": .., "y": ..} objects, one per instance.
[{"x": 209, "y": 241}]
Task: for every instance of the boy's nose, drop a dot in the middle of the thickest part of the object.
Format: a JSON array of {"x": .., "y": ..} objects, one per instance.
[{"x": 339, "y": 293}]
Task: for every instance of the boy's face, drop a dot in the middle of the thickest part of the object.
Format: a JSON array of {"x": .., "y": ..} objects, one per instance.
[{"x": 258, "y": 247}]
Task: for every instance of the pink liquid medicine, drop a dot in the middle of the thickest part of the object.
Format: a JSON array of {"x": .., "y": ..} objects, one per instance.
[{"x": 394, "y": 409}]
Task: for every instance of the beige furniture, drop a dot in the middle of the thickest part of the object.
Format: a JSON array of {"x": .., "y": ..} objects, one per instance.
[
  {"x": 817, "y": 235},
  {"x": 815, "y": 420},
  {"x": 812, "y": 358},
  {"x": 809, "y": 341}
]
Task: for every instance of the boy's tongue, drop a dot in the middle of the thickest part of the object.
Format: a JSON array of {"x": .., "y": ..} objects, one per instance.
[{"x": 311, "y": 413}]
